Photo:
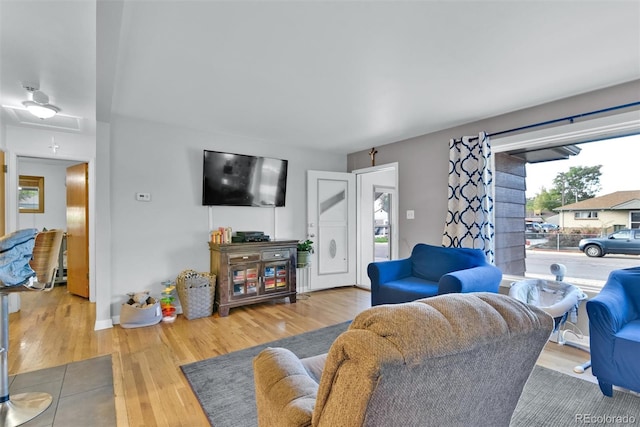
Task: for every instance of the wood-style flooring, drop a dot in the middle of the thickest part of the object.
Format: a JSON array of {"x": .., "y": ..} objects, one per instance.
[{"x": 55, "y": 328}]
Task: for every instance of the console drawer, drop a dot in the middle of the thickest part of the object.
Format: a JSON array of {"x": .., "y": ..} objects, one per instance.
[
  {"x": 241, "y": 258},
  {"x": 275, "y": 255}
]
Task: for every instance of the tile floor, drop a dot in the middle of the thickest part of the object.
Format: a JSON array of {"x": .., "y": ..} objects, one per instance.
[{"x": 82, "y": 393}]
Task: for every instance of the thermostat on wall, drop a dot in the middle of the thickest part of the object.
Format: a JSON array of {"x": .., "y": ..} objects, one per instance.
[{"x": 143, "y": 197}]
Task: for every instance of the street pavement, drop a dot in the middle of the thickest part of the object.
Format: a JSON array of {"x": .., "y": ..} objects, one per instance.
[{"x": 580, "y": 268}]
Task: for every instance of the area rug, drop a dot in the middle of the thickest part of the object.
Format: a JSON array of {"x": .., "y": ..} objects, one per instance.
[{"x": 224, "y": 388}]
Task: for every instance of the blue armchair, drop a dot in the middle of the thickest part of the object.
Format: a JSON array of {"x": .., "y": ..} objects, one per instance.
[
  {"x": 614, "y": 331},
  {"x": 429, "y": 271}
]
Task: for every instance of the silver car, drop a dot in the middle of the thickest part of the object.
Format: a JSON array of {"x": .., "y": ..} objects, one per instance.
[{"x": 625, "y": 241}]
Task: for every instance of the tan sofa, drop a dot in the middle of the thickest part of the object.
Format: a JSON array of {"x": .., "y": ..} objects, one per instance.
[{"x": 455, "y": 359}]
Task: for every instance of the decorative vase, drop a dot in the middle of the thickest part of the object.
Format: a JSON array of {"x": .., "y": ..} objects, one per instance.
[{"x": 303, "y": 259}]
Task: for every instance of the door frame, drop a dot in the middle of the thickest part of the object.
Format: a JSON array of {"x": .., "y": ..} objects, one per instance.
[
  {"x": 360, "y": 210},
  {"x": 11, "y": 188}
]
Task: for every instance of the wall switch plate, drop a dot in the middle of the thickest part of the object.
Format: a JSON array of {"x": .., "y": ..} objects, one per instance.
[
  {"x": 411, "y": 214},
  {"x": 143, "y": 197}
]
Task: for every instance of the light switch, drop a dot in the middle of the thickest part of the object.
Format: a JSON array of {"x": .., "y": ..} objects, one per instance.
[
  {"x": 411, "y": 214},
  {"x": 143, "y": 197}
]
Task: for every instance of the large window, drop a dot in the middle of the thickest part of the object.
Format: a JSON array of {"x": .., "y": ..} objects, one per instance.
[{"x": 561, "y": 246}]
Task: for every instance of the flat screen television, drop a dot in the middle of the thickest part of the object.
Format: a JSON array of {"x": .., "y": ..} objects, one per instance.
[{"x": 230, "y": 179}]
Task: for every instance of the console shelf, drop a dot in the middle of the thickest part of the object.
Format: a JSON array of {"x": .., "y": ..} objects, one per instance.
[{"x": 249, "y": 273}]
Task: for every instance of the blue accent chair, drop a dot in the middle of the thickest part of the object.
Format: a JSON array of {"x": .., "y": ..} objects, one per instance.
[
  {"x": 614, "y": 331},
  {"x": 430, "y": 271}
]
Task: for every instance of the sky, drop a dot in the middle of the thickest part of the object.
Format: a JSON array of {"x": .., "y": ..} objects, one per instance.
[{"x": 620, "y": 160}]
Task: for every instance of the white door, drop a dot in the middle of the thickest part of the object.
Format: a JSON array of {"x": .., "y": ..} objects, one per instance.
[
  {"x": 331, "y": 225},
  {"x": 377, "y": 217}
]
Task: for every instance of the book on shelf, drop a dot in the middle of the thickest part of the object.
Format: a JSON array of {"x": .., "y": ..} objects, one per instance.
[
  {"x": 221, "y": 235},
  {"x": 269, "y": 283}
]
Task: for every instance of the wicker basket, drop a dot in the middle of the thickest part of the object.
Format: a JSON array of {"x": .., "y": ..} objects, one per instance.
[{"x": 196, "y": 292}]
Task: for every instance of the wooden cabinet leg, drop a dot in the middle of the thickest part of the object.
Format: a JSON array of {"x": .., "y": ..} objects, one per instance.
[
  {"x": 223, "y": 311},
  {"x": 292, "y": 298}
]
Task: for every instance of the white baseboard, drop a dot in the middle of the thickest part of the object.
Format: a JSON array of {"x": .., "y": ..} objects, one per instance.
[{"x": 103, "y": 324}]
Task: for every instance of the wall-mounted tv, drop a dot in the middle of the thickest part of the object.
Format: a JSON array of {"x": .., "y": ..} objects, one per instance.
[{"x": 230, "y": 179}]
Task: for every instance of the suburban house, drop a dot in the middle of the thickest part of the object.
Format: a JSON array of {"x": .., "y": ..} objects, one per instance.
[
  {"x": 144, "y": 87},
  {"x": 607, "y": 213}
]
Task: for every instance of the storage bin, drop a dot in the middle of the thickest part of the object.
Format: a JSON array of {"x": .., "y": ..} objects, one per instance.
[
  {"x": 135, "y": 317},
  {"x": 196, "y": 292}
]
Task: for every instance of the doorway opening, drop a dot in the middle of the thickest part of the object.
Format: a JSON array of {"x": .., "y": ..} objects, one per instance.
[
  {"x": 377, "y": 209},
  {"x": 64, "y": 206}
]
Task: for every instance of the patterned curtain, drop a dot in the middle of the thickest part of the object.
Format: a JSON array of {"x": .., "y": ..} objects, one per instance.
[{"x": 469, "y": 220}]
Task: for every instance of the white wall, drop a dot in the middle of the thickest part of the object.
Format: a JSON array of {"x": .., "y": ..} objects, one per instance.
[
  {"x": 103, "y": 226},
  {"x": 154, "y": 241},
  {"x": 55, "y": 195}
]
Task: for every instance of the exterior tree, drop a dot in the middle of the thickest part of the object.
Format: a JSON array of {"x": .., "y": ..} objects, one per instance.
[
  {"x": 579, "y": 183},
  {"x": 547, "y": 200}
]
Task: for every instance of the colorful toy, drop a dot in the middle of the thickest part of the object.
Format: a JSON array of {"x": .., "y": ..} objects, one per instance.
[{"x": 166, "y": 302}]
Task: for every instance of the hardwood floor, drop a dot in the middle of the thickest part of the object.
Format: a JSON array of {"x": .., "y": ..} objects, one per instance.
[{"x": 55, "y": 328}]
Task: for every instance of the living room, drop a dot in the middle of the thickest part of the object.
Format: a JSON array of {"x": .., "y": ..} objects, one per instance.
[{"x": 138, "y": 144}]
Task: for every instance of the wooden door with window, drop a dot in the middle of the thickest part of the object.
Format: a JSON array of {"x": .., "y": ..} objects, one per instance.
[{"x": 78, "y": 230}]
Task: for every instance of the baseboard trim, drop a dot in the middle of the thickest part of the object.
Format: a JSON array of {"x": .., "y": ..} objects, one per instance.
[{"x": 103, "y": 324}]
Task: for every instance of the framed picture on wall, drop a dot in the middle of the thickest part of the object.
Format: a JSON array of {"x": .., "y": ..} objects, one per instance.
[{"x": 31, "y": 194}]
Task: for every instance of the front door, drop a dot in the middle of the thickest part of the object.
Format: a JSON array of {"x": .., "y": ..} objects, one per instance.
[
  {"x": 78, "y": 230},
  {"x": 331, "y": 219}
]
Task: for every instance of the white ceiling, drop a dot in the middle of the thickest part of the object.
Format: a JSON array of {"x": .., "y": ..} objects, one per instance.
[{"x": 335, "y": 75}]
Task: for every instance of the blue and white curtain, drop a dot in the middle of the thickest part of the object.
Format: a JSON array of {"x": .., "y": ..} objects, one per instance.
[{"x": 470, "y": 216}]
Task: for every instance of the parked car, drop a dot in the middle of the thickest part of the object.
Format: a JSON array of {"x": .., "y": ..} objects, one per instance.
[
  {"x": 547, "y": 227},
  {"x": 532, "y": 227},
  {"x": 625, "y": 241}
]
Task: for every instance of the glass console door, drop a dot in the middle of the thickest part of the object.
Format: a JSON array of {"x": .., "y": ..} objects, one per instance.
[
  {"x": 275, "y": 276},
  {"x": 244, "y": 280}
]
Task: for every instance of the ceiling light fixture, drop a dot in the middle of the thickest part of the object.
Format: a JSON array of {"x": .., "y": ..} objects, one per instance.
[{"x": 39, "y": 105}]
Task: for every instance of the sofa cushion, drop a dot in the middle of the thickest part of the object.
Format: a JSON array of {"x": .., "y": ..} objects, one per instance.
[
  {"x": 407, "y": 289},
  {"x": 433, "y": 262},
  {"x": 314, "y": 366}
]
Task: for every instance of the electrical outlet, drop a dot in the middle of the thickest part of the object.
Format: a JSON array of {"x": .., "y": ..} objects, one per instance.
[
  {"x": 411, "y": 214},
  {"x": 143, "y": 197}
]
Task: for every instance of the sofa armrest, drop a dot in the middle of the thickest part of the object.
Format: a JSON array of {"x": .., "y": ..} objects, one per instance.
[
  {"x": 285, "y": 393},
  {"x": 608, "y": 311},
  {"x": 386, "y": 271},
  {"x": 485, "y": 278}
]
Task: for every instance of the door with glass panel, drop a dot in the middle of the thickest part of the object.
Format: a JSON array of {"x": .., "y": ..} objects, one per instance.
[
  {"x": 377, "y": 218},
  {"x": 383, "y": 199},
  {"x": 331, "y": 225}
]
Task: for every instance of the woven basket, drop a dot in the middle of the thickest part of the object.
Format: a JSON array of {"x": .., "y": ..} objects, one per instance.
[{"x": 196, "y": 292}]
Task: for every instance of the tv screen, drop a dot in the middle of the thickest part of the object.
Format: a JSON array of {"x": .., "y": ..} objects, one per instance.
[{"x": 239, "y": 180}]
